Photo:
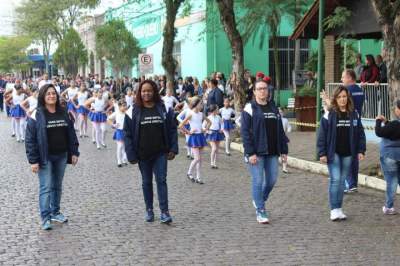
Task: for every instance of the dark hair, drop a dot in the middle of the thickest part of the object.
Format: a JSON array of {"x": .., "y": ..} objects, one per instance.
[
  {"x": 214, "y": 82},
  {"x": 334, "y": 105},
  {"x": 156, "y": 94},
  {"x": 121, "y": 102},
  {"x": 42, "y": 95},
  {"x": 397, "y": 103},
  {"x": 212, "y": 108},
  {"x": 370, "y": 58},
  {"x": 351, "y": 73},
  {"x": 18, "y": 87}
]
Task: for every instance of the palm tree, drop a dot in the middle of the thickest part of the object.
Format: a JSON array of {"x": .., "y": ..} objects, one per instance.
[{"x": 264, "y": 17}]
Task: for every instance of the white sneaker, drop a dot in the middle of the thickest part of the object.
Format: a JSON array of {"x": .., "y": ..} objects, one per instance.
[
  {"x": 335, "y": 215},
  {"x": 342, "y": 216}
]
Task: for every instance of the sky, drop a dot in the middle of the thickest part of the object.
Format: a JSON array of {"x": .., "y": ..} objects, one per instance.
[{"x": 7, "y": 14}]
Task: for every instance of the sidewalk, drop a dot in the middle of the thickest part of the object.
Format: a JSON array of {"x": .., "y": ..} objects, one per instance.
[{"x": 303, "y": 146}]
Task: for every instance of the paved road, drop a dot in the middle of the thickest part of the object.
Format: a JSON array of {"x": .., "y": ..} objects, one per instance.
[{"x": 214, "y": 224}]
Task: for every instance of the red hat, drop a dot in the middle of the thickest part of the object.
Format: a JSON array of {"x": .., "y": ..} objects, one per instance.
[
  {"x": 267, "y": 79},
  {"x": 260, "y": 74}
]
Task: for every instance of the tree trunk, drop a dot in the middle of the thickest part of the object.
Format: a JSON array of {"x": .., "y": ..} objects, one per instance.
[
  {"x": 227, "y": 15},
  {"x": 168, "y": 61},
  {"x": 389, "y": 19},
  {"x": 277, "y": 68}
]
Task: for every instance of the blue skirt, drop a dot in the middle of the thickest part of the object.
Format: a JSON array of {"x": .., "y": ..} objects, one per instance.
[
  {"x": 228, "y": 125},
  {"x": 71, "y": 107},
  {"x": 118, "y": 135},
  {"x": 215, "y": 135},
  {"x": 98, "y": 117},
  {"x": 197, "y": 141},
  {"x": 17, "y": 111},
  {"x": 82, "y": 110}
]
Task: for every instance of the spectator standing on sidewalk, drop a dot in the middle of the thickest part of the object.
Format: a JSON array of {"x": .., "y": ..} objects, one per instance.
[
  {"x": 341, "y": 139},
  {"x": 390, "y": 155},
  {"x": 370, "y": 72},
  {"x": 382, "y": 69},
  {"x": 51, "y": 143},
  {"x": 264, "y": 140}
]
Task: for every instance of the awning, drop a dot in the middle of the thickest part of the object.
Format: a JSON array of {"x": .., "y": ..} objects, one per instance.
[{"x": 363, "y": 23}]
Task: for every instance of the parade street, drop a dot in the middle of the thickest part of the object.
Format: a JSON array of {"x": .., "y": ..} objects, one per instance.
[{"x": 214, "y": 223}]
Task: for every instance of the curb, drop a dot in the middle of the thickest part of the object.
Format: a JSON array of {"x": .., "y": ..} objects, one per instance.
[{"x": 317, "y": 168}]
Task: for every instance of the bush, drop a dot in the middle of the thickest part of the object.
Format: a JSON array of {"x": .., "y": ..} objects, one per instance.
[{"x": 307, "y": 91}]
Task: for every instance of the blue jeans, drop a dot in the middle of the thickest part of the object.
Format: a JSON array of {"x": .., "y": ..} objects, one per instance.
[
  {"x": 391, "y": 170},
  {"x": 352, "y": 178},
  {"x": 158, "y": 167},
  {"x": 339, "y": 169},
  {"x": 263, "y": 178},
  {"x": 50, "y": 178}
]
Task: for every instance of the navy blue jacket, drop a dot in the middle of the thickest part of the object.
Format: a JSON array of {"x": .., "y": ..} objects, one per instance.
[
  {"x": 36, "y": 144},
  {"x": 326, "y": 143},
  {"x": 132, "y": 129},
  {"x": 215, "y": 97},
  {"x": 254, "y": 132},
  {"x": 357, "y": 94}
]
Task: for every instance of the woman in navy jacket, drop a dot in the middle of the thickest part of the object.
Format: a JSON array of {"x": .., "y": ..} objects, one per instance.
[
  {"x": 151, "y": 139},
  {"x": 390, "y": 155},
  {"x": 50, "y": 143},
  {"x": 341, "y": 139},
  {"x": 264, "y": 140}
]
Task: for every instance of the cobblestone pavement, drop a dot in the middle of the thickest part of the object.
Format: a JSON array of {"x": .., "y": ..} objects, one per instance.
[{"x": 214, "y": 224}]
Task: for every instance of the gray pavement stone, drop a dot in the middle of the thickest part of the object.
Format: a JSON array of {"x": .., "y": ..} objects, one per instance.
[{"x": 214, "y": 224}]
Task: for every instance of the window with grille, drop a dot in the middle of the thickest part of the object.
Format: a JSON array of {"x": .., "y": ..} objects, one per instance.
[
  {"x": 286, "y": 59},
  {"x": 176, "y": 54}
]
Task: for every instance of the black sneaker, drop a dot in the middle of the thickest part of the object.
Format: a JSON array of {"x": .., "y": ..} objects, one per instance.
[
  {"x": 119, "y": 165},
  {"x": 190, "y": 177},
  {"x": 199, "y": 181}
]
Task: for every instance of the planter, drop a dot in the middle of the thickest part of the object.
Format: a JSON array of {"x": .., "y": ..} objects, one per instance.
[{"x": 305, "y": 107}]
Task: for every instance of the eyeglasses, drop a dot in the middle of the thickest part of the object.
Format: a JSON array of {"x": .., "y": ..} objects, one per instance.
[{"x": 261, "y": 88}]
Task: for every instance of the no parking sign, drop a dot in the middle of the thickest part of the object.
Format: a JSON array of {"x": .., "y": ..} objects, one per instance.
[{"x": 146, "y": 64}]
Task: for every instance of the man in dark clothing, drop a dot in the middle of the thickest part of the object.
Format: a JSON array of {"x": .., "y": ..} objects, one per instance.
[
  {"x": 3, "y": 84},
  {"x": 382, "y": 69},
  {"x": 215, "y": 96}
]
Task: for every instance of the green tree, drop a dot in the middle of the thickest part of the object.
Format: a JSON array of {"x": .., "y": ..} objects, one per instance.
[
  {"x": 388, "y": 13},
  {"x": 71, "y": 53},
  {"x": 228, "y": 20},
  {"x": 169, "y": 33},
  {"x": 264, "y": 17},
  {"x": 116, "y": 44},
  {"x": 13, "y": 56},
  {"x": 38, "y": 19}
]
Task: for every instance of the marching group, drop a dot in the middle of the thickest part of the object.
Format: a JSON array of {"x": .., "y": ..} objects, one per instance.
[{"x": 147, "y": 114}]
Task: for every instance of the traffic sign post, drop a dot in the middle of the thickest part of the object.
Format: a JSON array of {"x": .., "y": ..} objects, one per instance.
[{"x": 146, "y": 64}]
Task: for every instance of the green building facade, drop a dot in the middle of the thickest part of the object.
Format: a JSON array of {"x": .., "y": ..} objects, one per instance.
[{"x": 201, "y": 45}]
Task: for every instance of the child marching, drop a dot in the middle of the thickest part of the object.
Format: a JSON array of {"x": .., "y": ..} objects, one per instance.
[
  {"x": 215, "y": 135},
  {"x": 197, "y": 140},
  {"x": 227, "y": 114},
  {"x": 118, "y": 118}
]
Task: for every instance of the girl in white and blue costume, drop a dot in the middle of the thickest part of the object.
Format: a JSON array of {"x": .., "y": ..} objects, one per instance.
[
  {"x": 215, "y": 134},
  {"x": 118, "y": 118},
  {"x": 81, "y": 97},
  {"x": 18, "y": 115},
  {"x": 69, "y": 94},
  {"x": 181, "y": 116},
  {"x": 197, "y": 140},
  {"x": 227, "y": 114},
  {"x": 98, "y": 117}
]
